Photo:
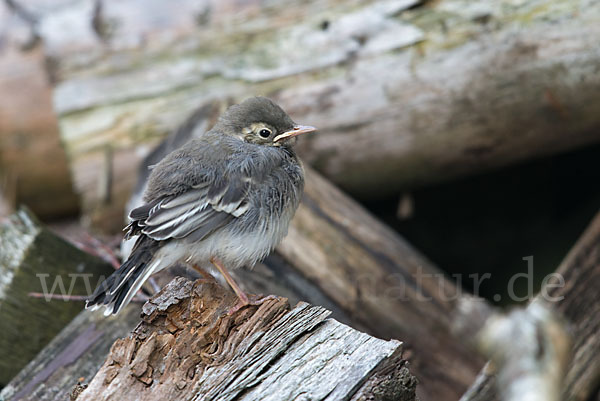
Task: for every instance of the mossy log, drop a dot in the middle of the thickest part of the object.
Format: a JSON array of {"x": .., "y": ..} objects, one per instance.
[
  {"x": 405, "y": 92},
  {"x": 33, "y": 259}
]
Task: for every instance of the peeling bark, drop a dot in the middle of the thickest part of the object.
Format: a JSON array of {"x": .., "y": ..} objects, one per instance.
[{"x": 188, "y": 348}]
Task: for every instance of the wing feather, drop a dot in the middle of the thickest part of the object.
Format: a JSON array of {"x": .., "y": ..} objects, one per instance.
[{"x": 195, "y": 213}]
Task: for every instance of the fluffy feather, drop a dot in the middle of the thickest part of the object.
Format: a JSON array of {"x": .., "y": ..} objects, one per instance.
[{"x": 217, "y": 196}]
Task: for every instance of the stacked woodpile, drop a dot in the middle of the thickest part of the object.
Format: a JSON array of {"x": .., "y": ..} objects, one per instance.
[{"x": 405, "y": 93}]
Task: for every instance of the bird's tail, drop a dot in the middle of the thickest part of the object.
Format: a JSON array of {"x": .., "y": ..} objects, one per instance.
[{"x": 117, "y": 290}]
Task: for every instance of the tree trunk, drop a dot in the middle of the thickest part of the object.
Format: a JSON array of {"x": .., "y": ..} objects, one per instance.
[
  {"x": 578, "y": 303},
  {"x": 33, "y": 259},
  {"x": 404, "y": 92}
]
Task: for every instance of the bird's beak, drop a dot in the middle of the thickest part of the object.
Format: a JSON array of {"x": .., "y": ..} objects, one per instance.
[{"x": 297, "y": 130}]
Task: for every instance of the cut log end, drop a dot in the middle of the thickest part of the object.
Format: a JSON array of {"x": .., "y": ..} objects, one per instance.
[{"x": 188, "y": 347}]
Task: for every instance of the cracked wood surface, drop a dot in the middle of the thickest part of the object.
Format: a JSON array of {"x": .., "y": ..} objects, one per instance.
[{"x": 188, "y": 348}]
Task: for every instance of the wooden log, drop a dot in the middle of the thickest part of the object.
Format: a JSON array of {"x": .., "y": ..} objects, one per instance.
[
  {"x": 33, "y": 259},
  {"x": 572, "y": 294},
  {"x": 72, "y": 358},
  {"x": 378, "y": 279},
  {"x": 405, "y": 92},
  {"x": 188, "y": 348},
  {"x": 337, "y": 255},
  {"x": 33, "y": 163}
]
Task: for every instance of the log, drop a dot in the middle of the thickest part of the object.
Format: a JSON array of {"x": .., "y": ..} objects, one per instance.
[
  {"x": 33, "y": 163},
  {"x": 339, "y": 256},
  {"x": 405, "y": 92},
  {"x": 188, "y": 348},
  {"x": 33, "y": 259},
  {"x": 71, "y": 358},
  {"x": 572, "y": 294}
]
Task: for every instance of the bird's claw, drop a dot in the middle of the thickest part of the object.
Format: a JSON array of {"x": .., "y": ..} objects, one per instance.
[{"x": 252, "y": 300}]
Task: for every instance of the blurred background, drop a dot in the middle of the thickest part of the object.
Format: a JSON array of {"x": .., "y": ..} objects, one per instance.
[
  {"x": 472, "y": 128},
  {"x": 469, "y": 127}
]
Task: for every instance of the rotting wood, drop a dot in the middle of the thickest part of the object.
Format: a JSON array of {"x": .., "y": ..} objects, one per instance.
[
  {"x": 188, "y": 348},
  {"x": 529, "y": 348}
]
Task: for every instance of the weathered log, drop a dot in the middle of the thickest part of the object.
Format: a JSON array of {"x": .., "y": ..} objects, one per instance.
[
  {"x": 573, "y": 294},
  {"x": 339, "y": 256},
  {"x": 33, "y": 259},
  {"x": 72, "y": 358},
  {"x": 404, "y": 92},
  {"x": 187, "y": 347},
  {"x": 33, "y": 164}
]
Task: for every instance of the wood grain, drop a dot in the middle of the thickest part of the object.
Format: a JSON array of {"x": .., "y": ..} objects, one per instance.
[{"x": 188, "y": 348}]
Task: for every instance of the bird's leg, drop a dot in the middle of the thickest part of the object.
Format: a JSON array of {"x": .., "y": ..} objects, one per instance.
[
  {"x": 207, "y": 276},
  {"x": 243, "y": 298},
  {"x": 236, "y": 288}
]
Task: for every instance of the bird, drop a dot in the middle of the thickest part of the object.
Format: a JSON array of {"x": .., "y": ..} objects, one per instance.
[{"x": 222, "y": 200}]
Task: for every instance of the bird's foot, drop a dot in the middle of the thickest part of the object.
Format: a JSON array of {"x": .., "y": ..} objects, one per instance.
[{"x": 254, "y": 300}]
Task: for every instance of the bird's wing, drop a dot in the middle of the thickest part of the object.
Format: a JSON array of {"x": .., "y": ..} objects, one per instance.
[{"x": 195, "y": 213}]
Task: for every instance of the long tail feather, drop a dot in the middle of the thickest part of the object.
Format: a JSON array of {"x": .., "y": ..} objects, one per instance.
[{"x": 116, "y": 291}]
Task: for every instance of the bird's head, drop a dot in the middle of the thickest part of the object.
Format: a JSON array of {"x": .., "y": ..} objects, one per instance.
[{"x": 261, "y": 121}]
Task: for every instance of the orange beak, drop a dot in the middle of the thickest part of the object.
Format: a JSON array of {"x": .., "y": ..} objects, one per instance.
[{"x": 297, "y": 130}]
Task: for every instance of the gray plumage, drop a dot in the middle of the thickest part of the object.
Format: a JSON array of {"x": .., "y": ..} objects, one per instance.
[{"x": 229, "y": 194}]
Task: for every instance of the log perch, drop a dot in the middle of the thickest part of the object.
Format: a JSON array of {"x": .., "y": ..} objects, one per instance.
[{"x": 188, "y": 348}]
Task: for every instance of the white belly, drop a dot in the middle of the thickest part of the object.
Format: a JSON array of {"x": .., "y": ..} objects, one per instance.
[{"x": 234, "y": 248}]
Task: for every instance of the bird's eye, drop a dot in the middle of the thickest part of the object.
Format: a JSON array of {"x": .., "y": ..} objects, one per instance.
[{"x": 265, "y": 133}]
